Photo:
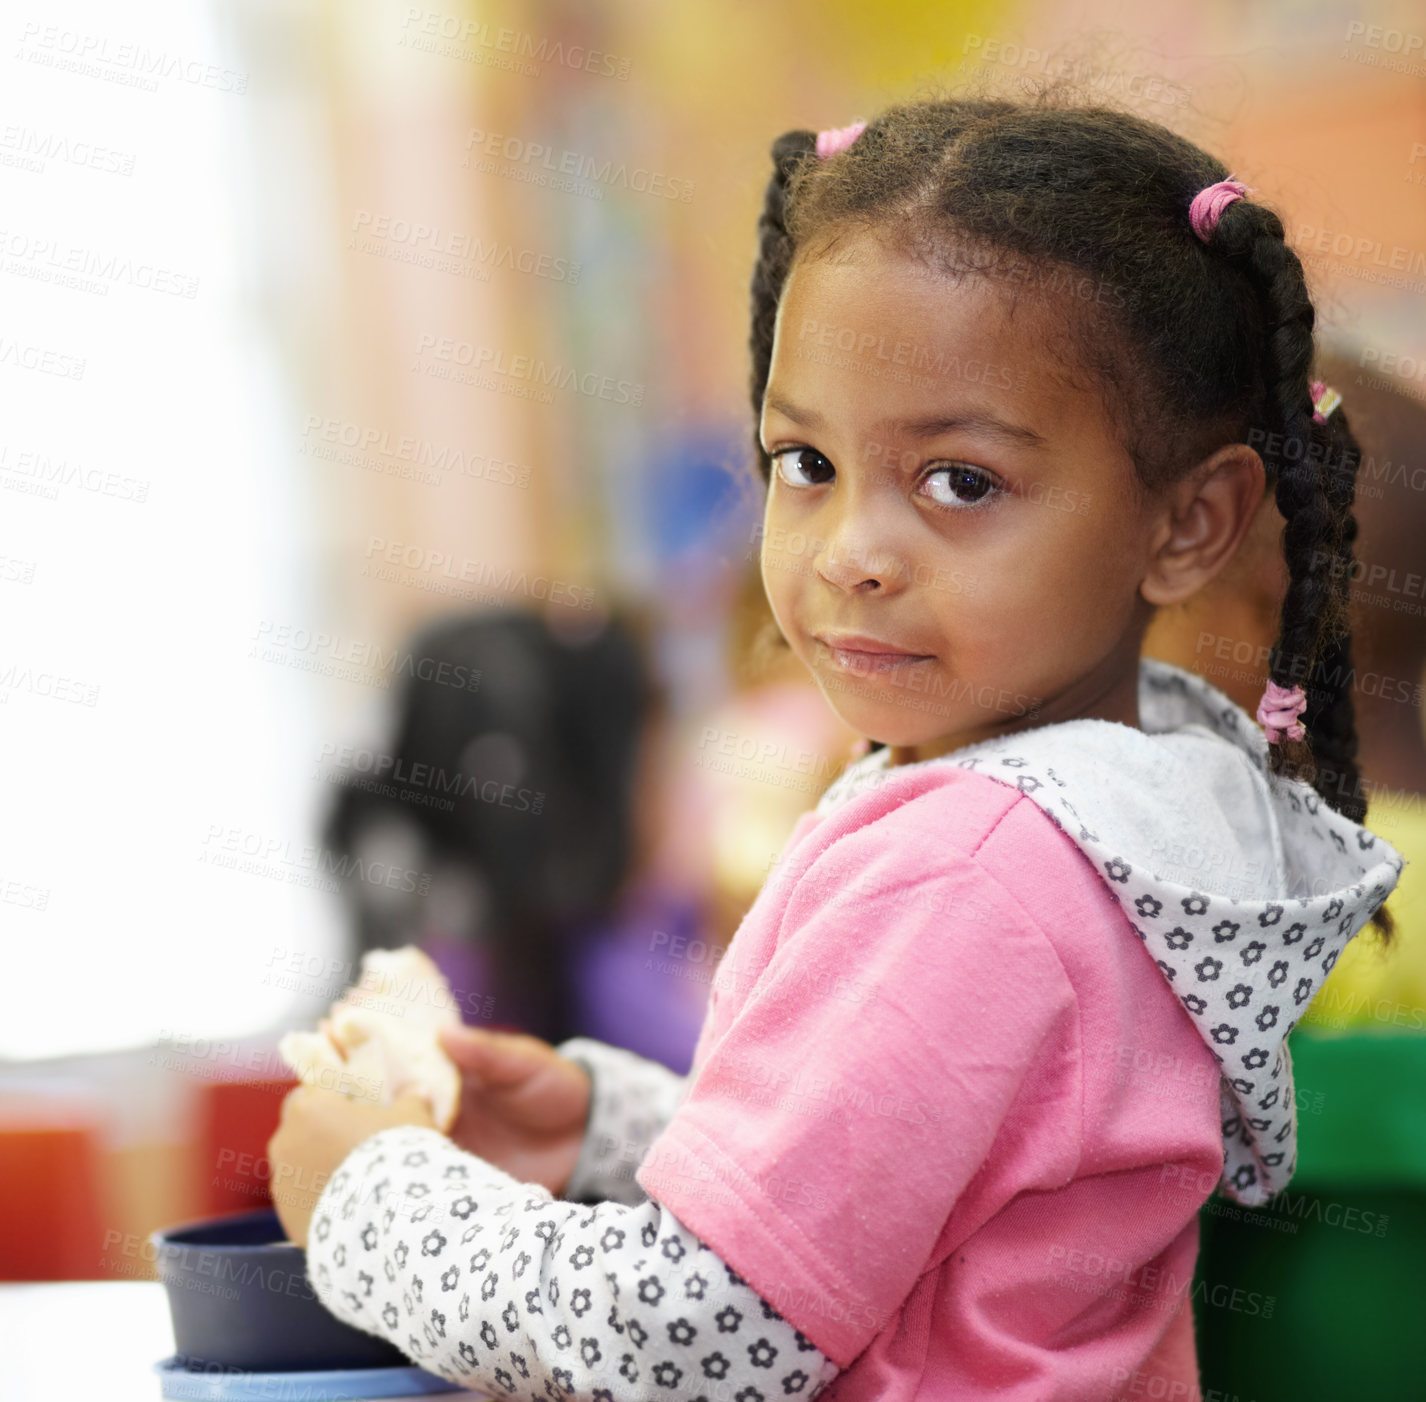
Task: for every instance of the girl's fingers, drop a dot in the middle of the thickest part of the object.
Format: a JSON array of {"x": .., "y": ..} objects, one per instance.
[
  {"x": 472, "y": 1046},
  {"x": 463, "y": 1045},
  {"x": 493, "y": 1058},
  {"x": 412, "y": 1106}
]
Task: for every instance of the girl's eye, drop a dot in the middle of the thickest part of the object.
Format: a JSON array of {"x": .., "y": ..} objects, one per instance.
[
  {"x": 965, "y": 486},
  {"x": 976, "y": 484},
  {"x": 792, "y": 472}
]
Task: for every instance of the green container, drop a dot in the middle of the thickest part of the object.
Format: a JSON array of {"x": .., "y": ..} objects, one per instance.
[{"x": 1330, "y": 1277}]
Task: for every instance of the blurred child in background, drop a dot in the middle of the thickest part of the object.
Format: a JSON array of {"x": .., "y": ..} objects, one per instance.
[{"x": 531, "y": 793}]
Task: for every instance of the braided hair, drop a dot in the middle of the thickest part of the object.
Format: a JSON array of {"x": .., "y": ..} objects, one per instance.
[{"x": 1193, "y": 343}]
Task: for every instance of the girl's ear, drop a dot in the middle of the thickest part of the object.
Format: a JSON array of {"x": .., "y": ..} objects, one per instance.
[{"x": 1199, "y": 522}]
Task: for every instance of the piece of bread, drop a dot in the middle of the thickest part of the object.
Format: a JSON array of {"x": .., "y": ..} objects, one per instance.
[{"x": 382, "y": 1032}]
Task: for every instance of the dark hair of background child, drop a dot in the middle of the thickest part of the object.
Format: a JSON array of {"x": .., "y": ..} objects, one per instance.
[{"x": 574, "y": 712}]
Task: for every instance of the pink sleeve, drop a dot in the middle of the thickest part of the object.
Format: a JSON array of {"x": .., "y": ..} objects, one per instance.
[{"x": 832, "y": 1128}]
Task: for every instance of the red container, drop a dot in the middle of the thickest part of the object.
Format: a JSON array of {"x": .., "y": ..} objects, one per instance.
[
  {"x": 235, "y": 1121},
  {"x": 50, "y": 1182}
]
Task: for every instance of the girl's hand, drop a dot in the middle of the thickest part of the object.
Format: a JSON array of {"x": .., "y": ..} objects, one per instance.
[
  {"x": 319, "y": 1128},
  {"x": 523, "y": 1105}
]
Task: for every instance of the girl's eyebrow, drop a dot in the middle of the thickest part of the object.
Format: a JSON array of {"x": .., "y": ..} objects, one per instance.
[{"x": 928, "y": 426}]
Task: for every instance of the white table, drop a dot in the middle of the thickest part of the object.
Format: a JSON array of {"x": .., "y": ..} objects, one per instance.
[
  {"x": 91, "y": 1341},
  {"x": 83, "y": 1341}
]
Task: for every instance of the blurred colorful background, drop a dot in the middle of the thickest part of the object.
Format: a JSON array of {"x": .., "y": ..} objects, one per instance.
[{"x": 374, "y": 386}]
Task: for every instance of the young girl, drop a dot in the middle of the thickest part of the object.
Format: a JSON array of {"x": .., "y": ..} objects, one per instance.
[{"x": 1012, "y": 1004}]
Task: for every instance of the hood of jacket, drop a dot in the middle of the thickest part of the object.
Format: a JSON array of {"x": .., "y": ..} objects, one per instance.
[{"x": 1244, "y": 886}]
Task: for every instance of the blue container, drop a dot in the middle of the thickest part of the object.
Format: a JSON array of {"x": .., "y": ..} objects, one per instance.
[
  {"x": 240, "y": 1299},
  {"x": 359, "y": 1385}
]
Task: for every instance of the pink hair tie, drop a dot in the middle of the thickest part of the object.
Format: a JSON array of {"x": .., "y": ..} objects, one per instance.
[
  {"x": 1278, "y": 712},
  {"x": 1324, "y": 400},
  {"x": 836, "y": 139},
  {"x": 1210, "y": 202}
]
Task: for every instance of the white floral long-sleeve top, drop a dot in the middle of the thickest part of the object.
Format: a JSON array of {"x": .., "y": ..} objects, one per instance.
[{"x": 501, "y": 1287}]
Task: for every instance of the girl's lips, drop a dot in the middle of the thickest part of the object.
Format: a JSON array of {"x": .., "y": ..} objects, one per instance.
[{"x": 866, "y": 660}]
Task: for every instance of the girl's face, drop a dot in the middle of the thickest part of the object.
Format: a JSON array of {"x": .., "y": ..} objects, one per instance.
[{"x": 952, "y": 544}]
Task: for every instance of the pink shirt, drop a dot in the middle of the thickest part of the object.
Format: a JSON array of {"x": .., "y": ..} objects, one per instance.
[{"x": 946, "y": 1115}]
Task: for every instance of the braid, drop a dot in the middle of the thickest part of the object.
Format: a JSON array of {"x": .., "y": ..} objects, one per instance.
[
  {"x": 1314, "y": 478},
  {"x": 770, "y": 271},
  {"x": 1334, "y": 732}
]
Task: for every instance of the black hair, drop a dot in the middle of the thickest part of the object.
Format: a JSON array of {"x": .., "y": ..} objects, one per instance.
[
  {"x": 526, "y": 737},
  {"x": 1193, "y": 344}
]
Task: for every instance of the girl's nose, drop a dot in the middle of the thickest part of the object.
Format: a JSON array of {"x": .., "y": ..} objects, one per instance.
[
  {"x": 848, "y": 560},
  {"x": 859, "y": 532}
]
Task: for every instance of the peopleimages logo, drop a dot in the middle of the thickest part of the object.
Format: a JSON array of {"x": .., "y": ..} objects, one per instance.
[
  {"x": 125, "y": 62},
  {"x": 506, "y": 48},
  {"x": 436, "y": 247},
  {"x": 466, "y": 362},
  {"x": 353, "y": 659},
  {"x": 30, "y": 149},
  {"x": 573, "y": 165},
  {"x": 86, "y": 269},
  {"x": 44, "y": 359}
]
